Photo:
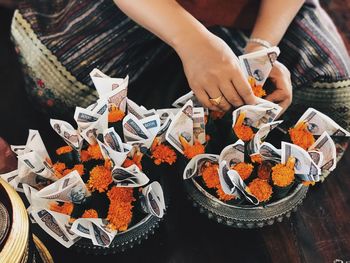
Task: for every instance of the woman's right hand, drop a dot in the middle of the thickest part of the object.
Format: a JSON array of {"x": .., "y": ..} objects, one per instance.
[{"x": 213, "y": 70}]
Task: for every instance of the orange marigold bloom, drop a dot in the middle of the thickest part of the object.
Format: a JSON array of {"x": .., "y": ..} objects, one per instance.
[
  {"x": 191, "y": 151},
  {"x": 243, "y": 132},
  {"x": 90, "y": 213},
  {"x": 257, "y": 89},
  {"x": 260, "y": 189},
  {"x": 163, "y": 154},
  {"x": 78, "y": 167},
  {"x": 65, "y": 208},
  {"x": 301, "y": 136},
  {"x": 217, "y": 114},
  {"x": 210, "y": 175},
  {"x": 115, "y": 115},
  {"x": 135, "y": 160},
  {"x": 120, "y": 208},
  {"x": 223, "y": 196},
  {"x": 84, "y": 156},
  {"x": 308, "y": 183},
  {"x": 244, "y": 169},
  {"x": 121, "y": 194},
  {"x": 108, "y": 164},
  {"x": 64, "y": 149},
  {"x": 119, "y": 215},
  {"x": 256, "y": 158},
  {"x": 59, "y": 167},
  {"x": 100, "y": 179},
  {"x": 95, "y": 152},
  {"x": 283, "y": 175},
  {"x": 264, "y": 170}
]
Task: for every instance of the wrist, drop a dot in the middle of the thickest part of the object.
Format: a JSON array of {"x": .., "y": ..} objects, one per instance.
[{"x": 188, "y": 41}]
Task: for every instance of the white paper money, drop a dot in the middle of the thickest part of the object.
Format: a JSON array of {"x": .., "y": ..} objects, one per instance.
[
  {"x": 257, "y": 115},
  {"x": 326, "y": 146},
  {"x": 259, "y": 64},
  {"x": 318, "y": 123},
  {"x": 95, "y": 129},
  {"x": 95, "y": 229},
  {"x": 182, "y": 125},
  {"x": 117, "y": 158},
  {"x": 233, "y": 184},
  {"x": 131, "y": 176},
  {"x": 69, "y": 188},
  {"x": 269, "y": 152},
  {"x": 180, "y": 102},
  {"x": 255, "y": 144},
  {"x": 11, "y": 178},
  {"x": 70, "y": 135},
  {"x": 193, "y": 168},
  {"x": 199, "y": 125},
  {"x": 233, "y": 153},
  {"x": 36, "y": 144},
  {"x": 55, "y": 224},
  {"x": 139, "y": 111},
  {"x": 154, "y": 197},
  {"x": 34, "y": 163},
  {"x": 305, "y": 168},
  {"x": 105, "y": 84}
]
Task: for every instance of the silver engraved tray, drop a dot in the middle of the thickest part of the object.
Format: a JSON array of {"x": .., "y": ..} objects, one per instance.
[{"x": 243, "y": 216}]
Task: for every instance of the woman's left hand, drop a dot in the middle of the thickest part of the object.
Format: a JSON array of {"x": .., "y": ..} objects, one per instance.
[{"x": 280, "y": 77}]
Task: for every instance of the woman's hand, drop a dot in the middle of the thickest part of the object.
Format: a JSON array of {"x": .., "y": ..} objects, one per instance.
[
  {"x": 213, "y": 70},
  {"x": 280, "y": 77}
]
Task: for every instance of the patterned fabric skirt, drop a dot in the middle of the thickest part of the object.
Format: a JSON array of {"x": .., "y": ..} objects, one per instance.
[{"x": 60, "y": 42}]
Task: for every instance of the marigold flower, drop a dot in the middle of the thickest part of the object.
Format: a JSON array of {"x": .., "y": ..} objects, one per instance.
[
  {"x": 210, "y": 175},
  {"x": 301, "y": 136},
  {"x": 257, "y": 89},
  {"x": 90, "y": 213},
  {"x": 65, "y": 208},
  {"x": 119, "y": 215},
  {"x": 243, "y": 169},
  {"x": 121, "y": 194},
  {"x": 163, "y": 154},
  {"x": 260, "y": 189},
  {"x": 215, "y": 115},
  {"x": 95, "y": 152},
  {"x": 283, "y": 175},
  {"x": 84, "y": 156},
  {"x": 264, "y": 170},
  {"x": 108, "y": 164},
  {"x": 115, "y": 115},
  {"x": 191, "y": 151},
  {"x": 100, "y": 179},
  {"x": 256, "y": 158},
  {"x": 223, "y": 196},
  {"x": 63, "y": 150},
  {"x": 136, "y": 159},
  {"x": 59, "y": 167},
  {"x": 243, "y": 132},
  {"x": 120, "y": 208}
]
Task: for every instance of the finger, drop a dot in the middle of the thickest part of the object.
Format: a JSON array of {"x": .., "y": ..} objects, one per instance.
[
  {"x": 203, "y": 98},
  {"x": 215, "y": 93},
  {"x": 231, "y": 95},
  {"x": 243, "y": 88}
]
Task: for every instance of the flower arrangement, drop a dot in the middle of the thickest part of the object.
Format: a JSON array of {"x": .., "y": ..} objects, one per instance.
[
  {"x": 94, "y": 187},
  {"x": 252, "y": 171}
]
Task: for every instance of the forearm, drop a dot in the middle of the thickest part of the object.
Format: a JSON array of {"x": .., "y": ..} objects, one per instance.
[
  {"x": 273, "y": 19},
  {"x": 166, "y": 19}
]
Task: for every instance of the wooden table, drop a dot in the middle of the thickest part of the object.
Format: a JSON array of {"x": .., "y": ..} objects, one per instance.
[{"x": 318, "y": 232}]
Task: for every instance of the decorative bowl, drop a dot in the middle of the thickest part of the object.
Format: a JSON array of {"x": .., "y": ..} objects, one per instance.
[{"x": 243, "y": 216}]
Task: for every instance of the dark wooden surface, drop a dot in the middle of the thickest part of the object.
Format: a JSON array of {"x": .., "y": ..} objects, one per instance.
[{"x": 318, "y": 232}]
